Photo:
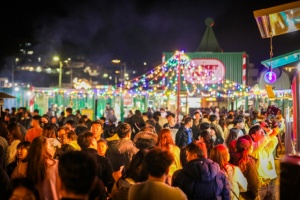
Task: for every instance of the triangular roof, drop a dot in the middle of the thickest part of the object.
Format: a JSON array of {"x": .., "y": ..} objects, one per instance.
[{"x": 209, "y": 41}]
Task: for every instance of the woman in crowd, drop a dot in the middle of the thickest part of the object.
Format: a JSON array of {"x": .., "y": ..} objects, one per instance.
[
  {"x": 206, "y": 138},
  {"x": 40, "y": 167},
  {"x": 246, "y": 163},
  {"x": 22, "y": 151},
  {"x": 237, "y": 181},
  {"x": 165, "y": 142},
  {"x": 15, "y": 137},
  {"x": 233, "y": 135},
  {"x": 216, "y": 136}
]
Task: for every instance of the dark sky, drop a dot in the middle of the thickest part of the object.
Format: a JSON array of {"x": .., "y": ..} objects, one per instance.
[{"x": 138, "y": 31}]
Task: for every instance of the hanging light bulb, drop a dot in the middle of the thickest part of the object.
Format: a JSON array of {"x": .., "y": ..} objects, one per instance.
[{"x": 270, "y": 76}]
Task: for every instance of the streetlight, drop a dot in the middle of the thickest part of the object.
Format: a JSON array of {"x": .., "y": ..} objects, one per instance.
[{"x": 56, "y": 58}]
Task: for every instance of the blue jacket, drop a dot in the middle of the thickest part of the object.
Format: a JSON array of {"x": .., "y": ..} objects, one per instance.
[{"x": 202, "y": 179}]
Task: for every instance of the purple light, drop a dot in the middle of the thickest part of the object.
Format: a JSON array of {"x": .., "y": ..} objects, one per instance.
[{"x": 270, "y": 77}]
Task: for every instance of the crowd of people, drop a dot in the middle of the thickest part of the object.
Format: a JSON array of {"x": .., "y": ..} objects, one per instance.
[{"x": 209, "y": 154}]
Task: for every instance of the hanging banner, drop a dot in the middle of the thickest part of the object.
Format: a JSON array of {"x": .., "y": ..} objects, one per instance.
[{"x": 128, "y": 100}]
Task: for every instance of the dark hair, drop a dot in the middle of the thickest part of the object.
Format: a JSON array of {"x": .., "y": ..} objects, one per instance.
[
  {"x": 24, "y": 144},
  {"x": 134, "y": 171},
  {"x": 238, "y": 119},
  {"x": 158, "y": 161},
  {"x": 49, "y": 131},
  {"x": 213, "y": 118},
  {"x": 253, "y": 130},
  {"x": 77, "y": 171},
  {"x": 22, "y": 182},
  {"x": 85, "y": 139},
  {"x": 96, "y": 122},
  {"x": 187, "y": 120},
  {"x": 204, "y": 126},
  {"x": 123, "y": 130},
  {"x": 37, "y": 118},
  {"x": 232, "y": 135},
  {"x": 207, "y": 139},
  {"x": 198, "y": 148},
  {"x": 69, "y": 110},
  {"x": 14, "y": 130}
]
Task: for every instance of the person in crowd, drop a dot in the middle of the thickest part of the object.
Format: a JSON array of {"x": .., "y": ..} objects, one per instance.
[
  {"x": 223, "y": 125},
  {"x": 22, "y": 151},
  {"x": 201, "y": 178},
  {"x": 25, "y": 121},
  {"x": 263, "y": 147},
  {"x": 215, "y": 135},
  {"x": 45, "y": 120},
  {"x": 112, "y": 117},
  {"x": 36, "y": 129},
  {"x": 206, "y": 137},
  {"x": 53, "y": 122},
  {"x": 49, "y": 131},
  {"x": 172, "y": 125},
  {"x": 70, "y": 138},
  {"x": 214, "y": 123},
  {"x": 205, "y": 117},
  {"x": 184, "y": 136},
  {"x": 15, "y": 137},
  {"x": 40, "y": 167},
  {"x": 233, "y": 135},
  {"x": 120, "y": 152},
  {"x": 70, "y": 116},
  {"x": 157, "y": 163},
  {"x": 243, "y": 159},
  {"x": 110, "y": 130},
  {"x": 87, "y": 121},
  {"x": 146, "y": 138},
  {"x": 4, "y": 179},
  {"x": 4, "y": 154},
  {"x": 84, "y": 166},
  {"x": 97, "y": 129},
  {"x": 60, "y": 133},
  {"x": 136, "y": 122},
  {"x": 135, "y": 173},
  {"x": 88, "y": 143},
  {"x": 156, "y": 116},
  {"x": 81, "y": 127},
  {"x": 196, "y": 125},
  {"x": 102, "y": 147},
  {"x": 238, "y": 123},
  {"x": 61, "y": 119},
  {"x": 78, "y": 114},
  {"x": 71, "y": 124},
  {"x": 166, "y": 143},
  {"x": 22, "y": 188},
  {"x": 237, "y": 181}
]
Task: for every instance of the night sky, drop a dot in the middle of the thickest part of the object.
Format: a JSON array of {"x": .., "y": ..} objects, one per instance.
[{"x": 138, "y": 30}]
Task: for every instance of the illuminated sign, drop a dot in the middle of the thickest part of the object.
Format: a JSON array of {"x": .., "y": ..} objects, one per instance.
[
  {"x": 204, "y": 71},
  {"x": 270, "y": 77}
]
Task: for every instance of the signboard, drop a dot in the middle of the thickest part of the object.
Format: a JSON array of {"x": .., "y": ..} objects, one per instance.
[
  {"x": 204, "y": 71},
  {"x": 128, "y": 100}
]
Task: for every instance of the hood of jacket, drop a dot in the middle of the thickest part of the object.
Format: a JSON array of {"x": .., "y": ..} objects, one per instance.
[{"x": 202, "y": 169}]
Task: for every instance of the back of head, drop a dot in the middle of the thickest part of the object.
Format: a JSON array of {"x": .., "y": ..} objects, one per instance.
[
  {"x": 220, "y": 155},
  {"x": 157, "y": 162},
  {"x": 198, "y": 148},
  {"x": 85, "y": 139},
  {"x": 124, "y": 130},
  {"x": 24, "y": 183},
  {"x": 204, "y": 126},
  {"x": 69, "y": 110},
  {"x": 213, "y": 118},
  {"x": 77, "y": 171},
  {"x": 238, "y": 119}
]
